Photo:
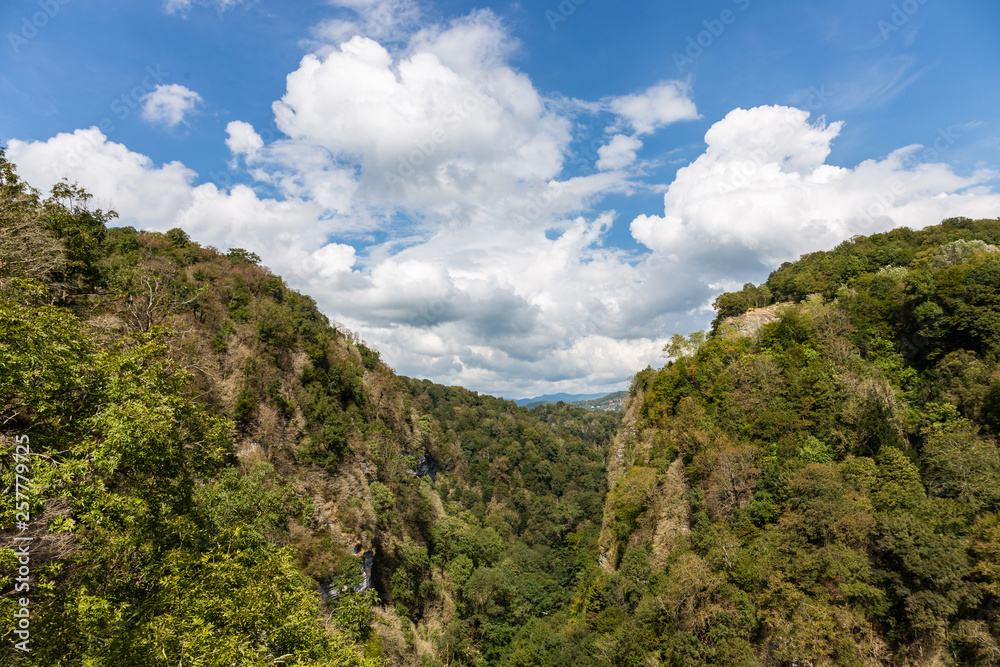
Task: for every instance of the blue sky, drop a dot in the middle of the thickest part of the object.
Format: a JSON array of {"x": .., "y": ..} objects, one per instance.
[{"x": 518, "y": 197}]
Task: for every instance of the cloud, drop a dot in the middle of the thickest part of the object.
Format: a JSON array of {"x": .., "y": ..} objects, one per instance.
[
  {"x": 657, "y": 106},
  {"x": 382, "y": 20},
  {"x": 619, "y": 153},
  {"x": 493, "y": 307},
  {"x": 762, "y": 191},
  {"x": 334, "y": 258},
  {"x": 167, "y": 104},
  {"x": 242, "y": 139},
  {"x": 419, "y": 194},
  {"x": 183, "y": 6},
  {"x": 511, "y": 312},
  {"x": 447, "y": 131},
  {"x": 148, "y": 196},
  {"x": 127, "y": 181}
]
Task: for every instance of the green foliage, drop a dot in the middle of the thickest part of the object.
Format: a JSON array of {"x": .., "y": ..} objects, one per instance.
[
  {"x": 631, "y": 498},
  {"x": 383, "y": 502},
  {"x": 254, "y": 505},
  {"x": 245, "y": 409},
  {"x": 898, "y": 486},
  {"x": 839, "y": 466},
  {"x": 731, "y": 304},
  {"x": 67, "y": 217},
  {"x": 125, "y": 447},
  {"x": 241, "y": 256},
  {"x": 868, "y": 411},
  {"x": 963, "y": 466},
  {"x": 152, "y": 547},
  {"x": 178, "y": 237},
  {"x": 925, "y": 574},
  {"x": 541, "y": 473},
  {"x": 453, "y": 537},
  {"x": 274, "y": 325},
  {"x": 794, "y": 328},
  {"x": 958, "y": 252},
  {"x": 369, "y": 357},
  {"x": 679, "y": 346},
  {"x": 238, "y": 302},
  {"x": 460, "y": 568},
  {"x": 325, "y": 446},
  {"x": 220, "y": 341},
  {"x": 353, "y": 613},
  {"x": 284, "y": 406}
]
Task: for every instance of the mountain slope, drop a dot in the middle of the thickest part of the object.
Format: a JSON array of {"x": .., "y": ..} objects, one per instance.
[
  {"x": 612, "y": 402},
  {"x": 203, "y": 440},
  {"x": 842, "y": 462}
]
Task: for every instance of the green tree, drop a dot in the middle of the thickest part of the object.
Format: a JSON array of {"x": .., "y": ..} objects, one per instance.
[
  {"x": 242, "y": 256},
  {"x": 68, "y": 217}
]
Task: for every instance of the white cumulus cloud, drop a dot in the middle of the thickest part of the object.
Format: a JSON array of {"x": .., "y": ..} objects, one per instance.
[
  {"x": 618, "y": 153},
  {"x": 655, "y": 107},
  {"x": 763, "y": 189},
  {"x": 447, "y": 131},
  {"x": 417, "y": 196},
  {"x": 168, "y": 104},
  {"x": 242, "y": 139},
  {"x": 158, "y": 197}
]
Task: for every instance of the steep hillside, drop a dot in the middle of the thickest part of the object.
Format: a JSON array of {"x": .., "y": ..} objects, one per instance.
[
  {"x": 841, "y": 458},
  {"x": 218, "y": 475}
]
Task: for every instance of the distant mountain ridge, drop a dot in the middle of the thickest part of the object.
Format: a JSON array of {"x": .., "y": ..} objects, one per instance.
[
  {"x": 600, "y": 402},
  {"x": 555, "y": 398}
]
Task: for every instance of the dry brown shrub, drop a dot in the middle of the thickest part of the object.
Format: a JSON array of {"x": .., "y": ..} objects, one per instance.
[{"x": 733, "y": 480}]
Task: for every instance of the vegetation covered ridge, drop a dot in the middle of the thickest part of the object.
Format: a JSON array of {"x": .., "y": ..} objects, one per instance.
[
  {"x": 220, "y": 476},
  {"x": 840, "y": 467}
]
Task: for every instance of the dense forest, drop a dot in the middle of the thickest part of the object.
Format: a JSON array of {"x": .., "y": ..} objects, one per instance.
[
  {"x": 840, "y": 473},
  {"x": 219, "y": 475}
]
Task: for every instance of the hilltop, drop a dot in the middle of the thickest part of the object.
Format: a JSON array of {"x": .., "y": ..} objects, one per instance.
[
  {"x": 600, "y": 402},
  {"x": 816, "y": 480}
]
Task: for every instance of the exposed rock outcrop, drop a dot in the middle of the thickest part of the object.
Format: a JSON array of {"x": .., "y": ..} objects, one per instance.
[{"x": 751, "y": 321}]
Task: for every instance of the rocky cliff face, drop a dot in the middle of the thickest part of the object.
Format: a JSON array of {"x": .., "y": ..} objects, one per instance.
[
  {"x": 669, "y": 517},
  {"x": 751, "y": 321},
  {"x": 664, "y": 518}
]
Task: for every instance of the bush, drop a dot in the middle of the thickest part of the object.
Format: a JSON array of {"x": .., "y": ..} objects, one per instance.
[
  {"x": 245, "y": 409},
  {"x": 241, "y": 256}
]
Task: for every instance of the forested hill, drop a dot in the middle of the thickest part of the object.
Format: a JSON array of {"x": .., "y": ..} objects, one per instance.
[
  {"x": 817, "y": 482},
  {"x": 220, "y": 476}
]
